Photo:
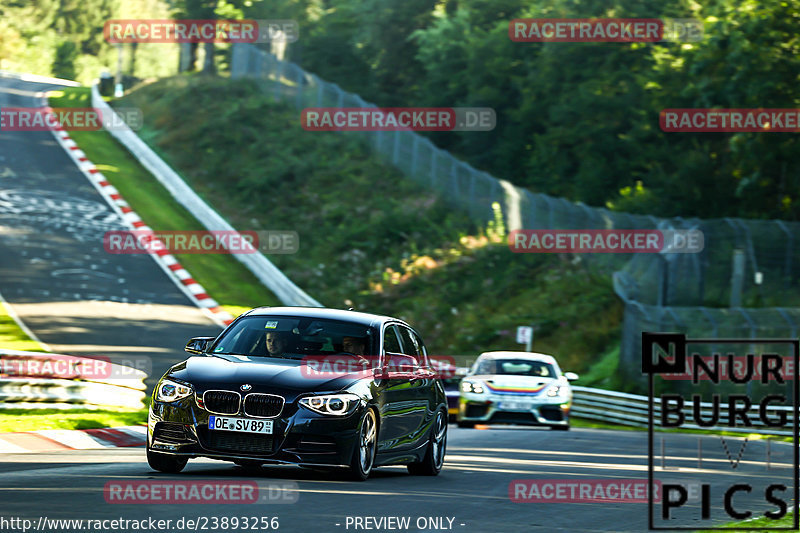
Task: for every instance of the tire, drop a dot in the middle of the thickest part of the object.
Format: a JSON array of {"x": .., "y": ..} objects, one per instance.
[
  {"x": 169, "y": 464},
  {"x": 433, "y": 461},
  {"x": 364, "y": 453},
  {"x": 560, "y": 428},
  {"x": 468, "y": 425}
]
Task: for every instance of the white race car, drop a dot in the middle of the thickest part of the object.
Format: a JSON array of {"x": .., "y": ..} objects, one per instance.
[{"x": 515, "y": 388}]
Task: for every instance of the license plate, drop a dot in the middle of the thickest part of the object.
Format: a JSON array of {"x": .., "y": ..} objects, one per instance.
[
  {"x": 243, "y": 425},
  {"x": 516, "y": 406}
]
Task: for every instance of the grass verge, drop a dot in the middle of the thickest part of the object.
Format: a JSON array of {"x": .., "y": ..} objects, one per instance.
[
  {"x": 12, "y": 420},
  {"x": 748, "y": 526},
  {"x": 11, "y": 335},
  {"x": 224, "y": 278},
  {"x": 603, "y": 374}
]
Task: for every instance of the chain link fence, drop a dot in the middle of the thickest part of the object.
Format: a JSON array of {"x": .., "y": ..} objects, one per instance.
[{"x": 747, "y": 266}]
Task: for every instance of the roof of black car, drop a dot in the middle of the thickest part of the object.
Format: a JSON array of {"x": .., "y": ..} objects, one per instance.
[{"x": 367, "y": 319}]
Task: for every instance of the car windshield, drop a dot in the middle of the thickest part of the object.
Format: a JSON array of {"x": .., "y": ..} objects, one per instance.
[
  {"x": 295, "y": 337},
  {"x": 452, "y": 383},
  {"x": 516, "y": 367}
]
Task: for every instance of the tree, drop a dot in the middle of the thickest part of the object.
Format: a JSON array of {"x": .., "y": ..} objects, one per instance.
[
  {"x": 64, "y": 63},
  {"x": 197, "y": 10}
]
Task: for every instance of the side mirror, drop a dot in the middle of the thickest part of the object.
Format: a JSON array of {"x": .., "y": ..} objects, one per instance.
[
  {"x": 198, "y": 345},
  {"x": 571, "y": 376}
]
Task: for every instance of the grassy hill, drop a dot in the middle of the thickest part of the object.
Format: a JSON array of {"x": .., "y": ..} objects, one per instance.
[{"x": 369, "y": 238}]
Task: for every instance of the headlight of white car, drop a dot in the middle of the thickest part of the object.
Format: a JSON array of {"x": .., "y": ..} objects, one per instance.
[
  {"x": 170, "y": 391},
  {"x": 472, "y": 386},
  {"x": 556, "y": 390},
  {"x": 331, "y": 404}
]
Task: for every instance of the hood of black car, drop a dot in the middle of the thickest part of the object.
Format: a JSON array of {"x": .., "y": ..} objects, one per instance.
[{"x": 286, "y": 377}]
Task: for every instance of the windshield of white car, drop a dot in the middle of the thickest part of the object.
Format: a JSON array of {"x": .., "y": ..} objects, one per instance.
[{"x": 516, "y": 367}]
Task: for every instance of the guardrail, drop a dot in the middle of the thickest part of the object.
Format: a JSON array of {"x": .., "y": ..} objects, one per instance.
[
  {"x": 286, "y": 291},
  {"x": 35, "y": 78},
  {"x": 31, "y": 380},
  {"x": 632, "y": 410}
]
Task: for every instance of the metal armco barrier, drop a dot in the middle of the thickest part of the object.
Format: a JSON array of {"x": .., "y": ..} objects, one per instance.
[
  {"x": 286, "y": 291},
  {"x": 30, "y": 380},
  {"x": 631, "y": 410}
]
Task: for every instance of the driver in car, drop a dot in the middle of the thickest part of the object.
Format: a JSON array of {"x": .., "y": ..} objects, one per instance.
[
  {"x": 354, "y": 345},
  {"x": 277, "y": 342}
]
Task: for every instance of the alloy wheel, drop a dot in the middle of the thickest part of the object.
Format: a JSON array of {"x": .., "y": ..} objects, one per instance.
[{"x": 367, "y": 441}]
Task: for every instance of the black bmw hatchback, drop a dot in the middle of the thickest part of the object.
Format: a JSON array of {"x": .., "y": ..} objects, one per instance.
[{"x": 307, "y": 386}]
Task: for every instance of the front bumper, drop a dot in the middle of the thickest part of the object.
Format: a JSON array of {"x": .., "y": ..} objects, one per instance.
[
  {"x": 299, "y": 436},
  {"x": 493, "y": 409}
]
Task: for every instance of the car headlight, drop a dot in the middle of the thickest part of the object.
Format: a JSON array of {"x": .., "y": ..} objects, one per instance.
[
  {"x": 471, "y": 386},
  {"x": 331, "y": 404},
  {"x": 170, "y": 391},
  {"x": 556, "y": 390}
]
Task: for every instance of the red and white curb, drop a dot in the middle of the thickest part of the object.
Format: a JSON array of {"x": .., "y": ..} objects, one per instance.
[
  {"x": 49, "y": 440},
  {"x": 179, "y": 275}
]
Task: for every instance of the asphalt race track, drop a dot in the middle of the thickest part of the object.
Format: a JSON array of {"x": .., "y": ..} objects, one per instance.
[
  {"x": 56, "y": 275},
  {"x": 471, "y": 490},
  {"x": 80, "y": 300}
]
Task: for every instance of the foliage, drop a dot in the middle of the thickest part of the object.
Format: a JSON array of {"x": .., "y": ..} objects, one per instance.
[
  {"x": 64, "y": 63},
  {"x": 368, "y": 42},
  {"x": 65, "y": 38},
  {"x": 580, "y": 120}
]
